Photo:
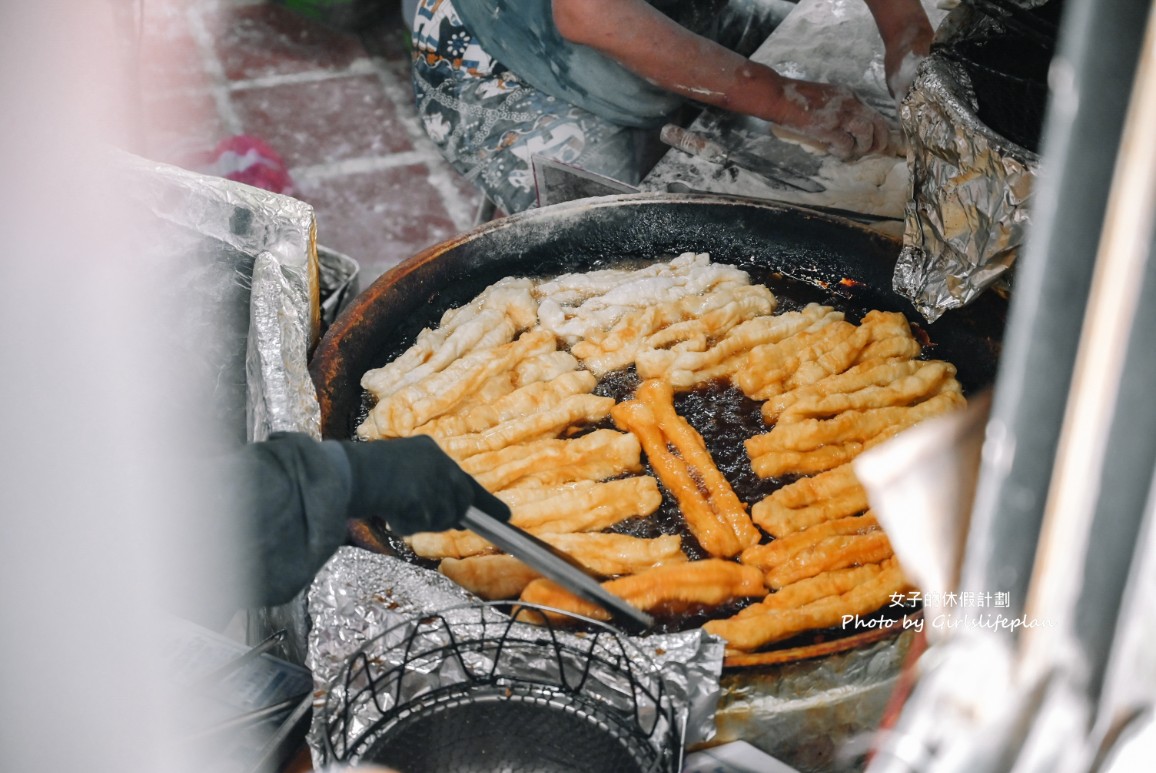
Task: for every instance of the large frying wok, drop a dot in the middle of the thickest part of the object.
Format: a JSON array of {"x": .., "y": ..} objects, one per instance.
[
  {"x": 801, "y": 705},
  {"x": 837, "y": 261}
]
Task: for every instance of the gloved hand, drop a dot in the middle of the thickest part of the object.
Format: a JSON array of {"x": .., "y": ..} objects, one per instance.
[
  {"x": 833, "y": 118},
  {"x": 413, "y": 485}
]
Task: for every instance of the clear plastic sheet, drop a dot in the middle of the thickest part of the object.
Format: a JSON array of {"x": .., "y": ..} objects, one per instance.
[
  {"x": 358, "y": 596},
  {"x": 971, "y": 192}
]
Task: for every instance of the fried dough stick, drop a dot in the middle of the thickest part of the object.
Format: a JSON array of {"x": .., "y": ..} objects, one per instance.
[
  {"x": 685, "y": 367},
  {"x": 691, "y": 318},
  {"x": 452, "y": 543},
  {"x": 811, "y": 357},
  {"x": 435, "y": 350},
  {"x": 769, "y": 368},
  {"x": 779, "y": 551},
  {"x": 593, "y": 507},
  {"x": 803, "y": 592},
  {"x": 709, "y": 582},
  {"x": 777, "y": 464},
  {"x": 618, "y": 554},
  {"x": 929, "y": 379},
  {"x": 415, "y": 404},
  {"x": 531, "y": 398},
  {"x": 599, "y": 455},
  {"x": 850, "y": 426},
  {"x": 715, "y": 536},
  {"x": 550, "y": 422},
  {"x": 831, "y": 553},
  {"x": 492, "y": 318},
  {"x": 491, "y": 577},
  {"x": 829, "y": 495},
  {"x": 749, "y": 632},
  {"x": 608, "y": 554},
  {"x": 501, "y": 576},
  {"x": 659, "y": 397},
  {"x": 873, "y": 373}
]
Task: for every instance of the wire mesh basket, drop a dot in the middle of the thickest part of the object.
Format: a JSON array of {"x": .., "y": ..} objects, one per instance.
[{"x": 472, "y": 689}]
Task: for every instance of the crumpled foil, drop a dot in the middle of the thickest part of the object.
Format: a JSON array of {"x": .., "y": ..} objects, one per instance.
[
  {"x": 971, "y": 189},
  {"x": 281, "y": 395},
  {"x": 243, "y": 264},
  {"x": 358, "y": 596}
]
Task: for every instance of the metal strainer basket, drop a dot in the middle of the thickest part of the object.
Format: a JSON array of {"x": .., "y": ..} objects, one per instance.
[{"x": 471, "y": 689}]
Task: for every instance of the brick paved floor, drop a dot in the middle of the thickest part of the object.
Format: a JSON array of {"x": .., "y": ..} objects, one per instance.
[{"x": 337, "y": 106}]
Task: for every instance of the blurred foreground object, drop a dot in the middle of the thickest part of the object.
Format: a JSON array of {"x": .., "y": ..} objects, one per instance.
[{"x": 1063, "y": 522}]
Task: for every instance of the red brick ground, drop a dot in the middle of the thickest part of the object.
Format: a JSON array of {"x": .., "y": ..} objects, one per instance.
[{"x": 336, "y": 105}]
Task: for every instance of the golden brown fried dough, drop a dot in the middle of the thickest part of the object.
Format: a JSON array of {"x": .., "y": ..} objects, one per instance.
[
  {"x": 854, "y": 426},
  {"x": 779, "y": 551},
  {"x": 779, "y": 520},
  {"x": 617, "y": 554},
  {"x": 452, "y": 543},
  {"x": 548, "y": 422},
  {"x": 710, "y": 582},
  {"x": 593, "y": 507},
  {"x": 715, "y": 536},
  {"x": 804, "y": 592},
  {"x": 927, "y": 380},
  {"x": 874, "y": 373},
  {"x": 599, "y": 455},
  {"x": 748, "y": 632},
  {"x": 491, "y": 577},
  {"x": 659, "y": 397},
  {"x": 828, "y": 554}
]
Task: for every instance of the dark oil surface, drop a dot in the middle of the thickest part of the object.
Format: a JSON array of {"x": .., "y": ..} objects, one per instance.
[{"x": 725, "y": 418}]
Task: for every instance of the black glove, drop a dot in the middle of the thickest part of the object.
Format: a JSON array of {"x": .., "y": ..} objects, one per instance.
[{"x": 414, "y": 486}]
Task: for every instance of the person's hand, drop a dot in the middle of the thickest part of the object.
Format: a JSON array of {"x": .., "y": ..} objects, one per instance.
[
  {"x": 901, "y": 59},
  {"x": 833, "y": 118},
  {"x": 907, "y": 35},
  {"x": 413, "y": 485}
]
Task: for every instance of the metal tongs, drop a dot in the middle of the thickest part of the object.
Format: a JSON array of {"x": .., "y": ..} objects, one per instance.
[{"x": 557, "y": 566}]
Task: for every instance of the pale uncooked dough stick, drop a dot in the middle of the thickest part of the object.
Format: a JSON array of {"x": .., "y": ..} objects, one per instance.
[
  {"x": 549, "y": 422},
  {"x": 414, "y": 405},
  {"x": 494, "y": 317},
  {"x": 532, "y": 397}
]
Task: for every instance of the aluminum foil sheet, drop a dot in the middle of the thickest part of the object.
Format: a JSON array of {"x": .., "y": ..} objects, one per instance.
[
  {"x": 817, "y": 715},
  {"x": 359, "y": 596},
  {"x": 242, "y": 266},
  {"x": 281, "y": 394},
  {"x": 971, "y": 192}
]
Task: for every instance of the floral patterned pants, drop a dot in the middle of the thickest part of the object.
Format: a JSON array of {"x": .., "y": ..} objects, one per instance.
[{"x": 489, "y": 124}]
